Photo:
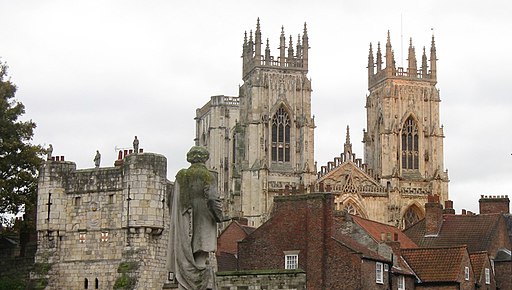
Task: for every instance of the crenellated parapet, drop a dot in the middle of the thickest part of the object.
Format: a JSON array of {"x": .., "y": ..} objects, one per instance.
[
  {"x": 377, "y": 73},
  {"x": 288, "y": 59}
]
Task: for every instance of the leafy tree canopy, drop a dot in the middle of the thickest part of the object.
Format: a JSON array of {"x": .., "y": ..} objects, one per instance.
[{"x": 19, "y": 160}]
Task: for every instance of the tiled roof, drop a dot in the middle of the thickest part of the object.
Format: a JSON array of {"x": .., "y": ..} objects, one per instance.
[
  {"x": 436, "y": 264},
  {"x": 226, "y": 262},
  {"x": 350, "y": 243},
  {"x": 475, "y": 231},
  {"x": 477, "y": 262},
  {"x": 375, "y": 229},
  {"x": 508, "y": 221}
]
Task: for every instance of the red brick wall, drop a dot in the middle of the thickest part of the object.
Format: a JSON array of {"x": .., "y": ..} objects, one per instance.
[
  {"x": 368, "y": 277},
  {"x": 494, "y": 205},
  {"x": 343, "y": 269},
  {"x": 299, "y": 222},
  {"x": 501, "y": 240},
  {"x": 503, "y": 270},
  {"x": 227, "y": 242}
]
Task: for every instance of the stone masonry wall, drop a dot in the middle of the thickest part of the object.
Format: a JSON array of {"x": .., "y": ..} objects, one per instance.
[
  {"x": 102, "y": 226},
  {"x": 255, "y": 280}
]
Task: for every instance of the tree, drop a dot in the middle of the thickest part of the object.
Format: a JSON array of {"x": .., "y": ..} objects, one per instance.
[{"x": 19, "y": 160}]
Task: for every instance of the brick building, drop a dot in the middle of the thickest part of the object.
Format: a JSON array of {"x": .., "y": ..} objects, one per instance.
[{"x": 333, "y": 249}]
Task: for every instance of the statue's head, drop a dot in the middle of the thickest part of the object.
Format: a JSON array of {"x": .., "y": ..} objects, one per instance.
[{"x": 197, "y": 154}]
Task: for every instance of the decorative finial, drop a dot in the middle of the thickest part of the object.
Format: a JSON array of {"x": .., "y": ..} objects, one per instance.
[
  {"x": 410, "y": 42},
  {"x": 305, "y": 29},
  {"x": 347, "y": 137},
  {"x": 268, "y": 46},
  {"x": 258, "y": 24}
]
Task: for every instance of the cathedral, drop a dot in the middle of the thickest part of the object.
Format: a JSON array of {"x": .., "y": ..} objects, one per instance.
[{"x": 262, "y": 141}]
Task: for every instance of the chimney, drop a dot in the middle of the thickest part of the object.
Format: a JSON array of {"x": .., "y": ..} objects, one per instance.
[
  {"x": 448, "y": 207},
  {"x": 433, "y": 215},
  {"x": 464, "y": 212},
  {"x": 494, "y": 204}
]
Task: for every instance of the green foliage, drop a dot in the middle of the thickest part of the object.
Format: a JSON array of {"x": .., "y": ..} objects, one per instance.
[
  {"x": 124, "y": 282},
  {"x": 42, "y": 268},
  {"x": 11, "y": 282},
  {"x": 19, "y": 160},
  {"x": 125, "y": 267}
]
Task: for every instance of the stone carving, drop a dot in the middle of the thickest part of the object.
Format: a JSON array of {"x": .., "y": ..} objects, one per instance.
[
  {"x": 49, "y": 152},
  {"x": 135, "y": 145},
  {"x": 97, "y": 159},
  {"x": 196, "y": 211}
]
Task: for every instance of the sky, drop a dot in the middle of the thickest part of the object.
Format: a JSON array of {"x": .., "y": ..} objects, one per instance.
[{"x": 93, "y": 74}]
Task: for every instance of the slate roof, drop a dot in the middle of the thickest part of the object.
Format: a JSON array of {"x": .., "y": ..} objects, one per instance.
[
  {"x": 478, "y": 262},
  {"x": 358, "y": 248},
  {"x": 226, "y": 262},
  {"x": 436, "y": 264},
  {"x": 375, "y": 229},
  {"x": 508, "y": 222},
  {"x": 475, "y": 231}
]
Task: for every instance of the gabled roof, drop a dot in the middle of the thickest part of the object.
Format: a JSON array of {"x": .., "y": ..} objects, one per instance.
[
  {"x": 475, "y": 231},
  {"x": 478, "y": 261},
  {"x": 354, "y": 246},
  {"x": 226, "y": 262},
  {"x": 348, "y": 166},
  {"x": 436, "y": 264},
  {"x": 375, "y": 229}
]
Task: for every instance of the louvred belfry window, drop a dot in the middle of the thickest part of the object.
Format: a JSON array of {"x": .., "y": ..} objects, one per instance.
[
  {"x": 281, "y": 136},
  {"x": 410, "y": 145}
]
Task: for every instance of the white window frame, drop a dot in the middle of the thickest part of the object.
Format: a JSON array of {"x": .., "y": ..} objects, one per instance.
[
  {"x": 379, "y": 273},
  {"x": 401, "y": 282},
  {"x": 291, "y": 260},
  {"x": 487, "y": 276},
  {"x": 466, "y": 273}
]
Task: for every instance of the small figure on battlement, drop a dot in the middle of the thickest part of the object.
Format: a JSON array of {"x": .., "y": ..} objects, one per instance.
[
  {"x": 49, "y": 152},
  {"x": 196, "y": 211},
  {"x": 135, "y": 145},
  {"x": 97, "y": 159}
]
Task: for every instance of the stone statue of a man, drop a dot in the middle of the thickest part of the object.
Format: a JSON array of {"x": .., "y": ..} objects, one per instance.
[
  {"x": 97, "y": 159},
  {"x": 49, "y": 152},
  {"x": 196, "y": 210}
]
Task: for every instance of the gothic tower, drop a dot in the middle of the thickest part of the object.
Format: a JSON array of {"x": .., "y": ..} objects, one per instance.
[
  {"x": 403, "y": 141},
  {"x": 274, "y": 138}
]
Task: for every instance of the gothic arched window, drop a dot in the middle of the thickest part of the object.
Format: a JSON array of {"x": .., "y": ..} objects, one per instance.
[
  {"x": 281, "y": 136},
  {"x": 410, "y": 145},
  {"x": 411, "y": 216}
]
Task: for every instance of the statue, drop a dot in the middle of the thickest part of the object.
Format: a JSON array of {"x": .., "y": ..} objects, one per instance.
[
  {"x": 135, "y": 145},
  {"x": 196, "y": 210},
  {"x": 49, "y": 152},
  {"x": 97, "y": 159}
]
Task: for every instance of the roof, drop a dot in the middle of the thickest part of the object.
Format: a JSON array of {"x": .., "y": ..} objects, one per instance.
[
  {"x": 436, "y": 264},
  {"x": 478, "y": 261},
  {"x": 226, "y": 262},
  {"x": 351, "y": 244},
  {"x": 475, "y": 231},
  {"x": 375, "y": 229},
  {"x": 508, "y": 221}
]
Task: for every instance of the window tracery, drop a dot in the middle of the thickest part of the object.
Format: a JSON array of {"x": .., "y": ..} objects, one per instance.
[
  {"x": 281, "y": 136},
  {"x": 410, "y": 145}
]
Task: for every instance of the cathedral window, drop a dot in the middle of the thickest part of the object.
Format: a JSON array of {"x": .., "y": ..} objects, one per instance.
[
  {"x": 410, "y": 146},
  {"x": 411, "y": 217},
  {"x": 281, "y": 136}
]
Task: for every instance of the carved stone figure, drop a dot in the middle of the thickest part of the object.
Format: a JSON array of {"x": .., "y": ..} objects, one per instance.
[
  {"x": 49, "y": 152},
  {"x": 97, "y": 159},
  {"x": 196, "y": 211},
  {"x": 135, "y": 145}
]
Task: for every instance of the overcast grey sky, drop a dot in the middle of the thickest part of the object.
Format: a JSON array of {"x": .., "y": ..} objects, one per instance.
[{"x": 92, "y": 74}]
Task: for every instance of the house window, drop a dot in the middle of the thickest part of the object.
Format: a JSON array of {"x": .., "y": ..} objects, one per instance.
[
  {"x": 291, "y": 259},
  {"x": 410, "y": 146},
  {"x": 379, "y": 273},
  {"x": 401, "y": 282},
  {"x": 466, "y": 273},
  {"x": 281, "y": 136},
  {"x": 487, "y": 276}
]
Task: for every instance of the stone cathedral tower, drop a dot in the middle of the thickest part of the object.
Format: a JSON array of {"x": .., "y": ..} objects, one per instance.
[
  {"x": 403, "y": 144},
  {"x": 262, "y": 142},
  {"x": 276, "y": 127}
]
